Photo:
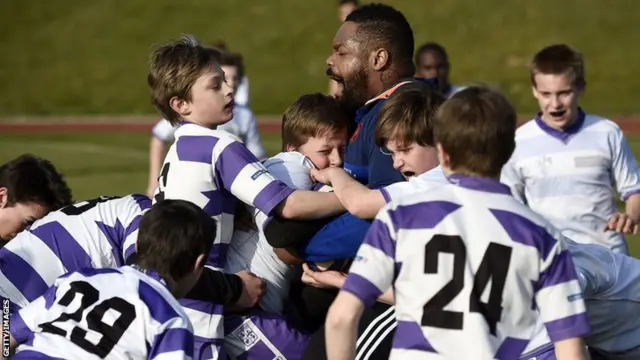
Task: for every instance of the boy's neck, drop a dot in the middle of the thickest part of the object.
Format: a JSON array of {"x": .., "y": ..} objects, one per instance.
[{"x": 212, "y": 127}]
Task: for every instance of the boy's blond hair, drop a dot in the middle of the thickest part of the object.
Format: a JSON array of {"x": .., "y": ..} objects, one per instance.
[
  {"x": 312, "y": 115},
  {"x": 407, "y": 116},
  {"x": 174, "y": 68},
  {"x": 559, "y": 59}
]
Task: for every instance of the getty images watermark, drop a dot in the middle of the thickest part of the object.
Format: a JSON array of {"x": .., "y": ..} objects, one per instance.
[{"x": 6, "y": 328}]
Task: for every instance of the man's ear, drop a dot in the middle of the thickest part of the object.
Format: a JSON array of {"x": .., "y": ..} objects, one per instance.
[
  {"x": 4, "y": 197},
  {"x": 379, "y": 59}
]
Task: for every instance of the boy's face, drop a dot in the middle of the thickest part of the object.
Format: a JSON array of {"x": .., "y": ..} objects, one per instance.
[
  {"x": 211, "y": 99},
  {"x": 17, "y": 217},
  {"x": 325, "y": 151},
  {"x": 558, "y": 99},
  {"x": 231, "y": 75},
  {"x": 412, "y": 159}
]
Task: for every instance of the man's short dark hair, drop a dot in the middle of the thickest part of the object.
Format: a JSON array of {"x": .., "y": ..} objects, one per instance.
[
  {"x": 430, "y": 47},
  {"x": 172, "y": 234},
  {"x": 30, "y": 179},
  {"x": 382, "y": 26},
  {"x": 345, "y": 2}
]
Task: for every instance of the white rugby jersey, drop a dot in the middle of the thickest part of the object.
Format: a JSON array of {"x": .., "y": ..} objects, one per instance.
[
  {"x": 570, "y": 177},
  {"x": 467, "y": 263},
  {"x": 251, "y": 251},
  {"x": 212, "y": 169},
  {"x": 424, "y": 182},
  {"x": 243, "y": 125},
  {"x": 610, "y": 284},
  {"x": 84, "y": 316},
  {"x": 90, "y": 234}
]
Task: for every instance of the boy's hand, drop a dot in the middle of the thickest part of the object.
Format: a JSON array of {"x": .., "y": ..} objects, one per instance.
[
  {"x": 322, "y": 279},
  {"x": 621, "y": 222},
  {"x": 323, "y": 176},
  {"x": 253, "y": 288}
]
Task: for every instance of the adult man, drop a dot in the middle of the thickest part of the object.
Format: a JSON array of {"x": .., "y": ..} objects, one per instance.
[{"x": 432, "y": 61}]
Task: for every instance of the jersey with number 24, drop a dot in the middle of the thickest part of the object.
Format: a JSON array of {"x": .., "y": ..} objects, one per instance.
[{"x": 467, "y": 263}]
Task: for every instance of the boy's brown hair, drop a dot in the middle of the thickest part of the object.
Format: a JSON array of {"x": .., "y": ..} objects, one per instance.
[
  {"x": 476, "y": 127},
  {"x": 559, "y": 59},
  {"x": 407, "y": 116},
  {"x": 312, "y": 115},
  {"x": 31, "y": 179},
  {"x": 172, "y": 235},
  {"x": 174, "y": 68}
]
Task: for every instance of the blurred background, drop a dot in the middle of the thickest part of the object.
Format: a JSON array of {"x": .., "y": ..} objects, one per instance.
[{"x": 71, "y": 61}]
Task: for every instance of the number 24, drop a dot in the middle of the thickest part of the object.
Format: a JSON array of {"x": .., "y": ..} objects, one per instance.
[{"x": 494, "y": 265}]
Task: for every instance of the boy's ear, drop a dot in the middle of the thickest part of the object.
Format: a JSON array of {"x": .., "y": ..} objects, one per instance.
[
  {"x": 199, "y": 264},
  {"x": 4, "y": 197},
  {"x": 290, "y": 147},
  {"x": 180, "y": 106}
]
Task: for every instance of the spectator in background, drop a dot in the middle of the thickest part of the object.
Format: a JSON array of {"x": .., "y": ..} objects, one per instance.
[
  {"x": 345, "y": 7},
  {"x": 432, "y": 61},
  {"x": 243, "y": 124}
]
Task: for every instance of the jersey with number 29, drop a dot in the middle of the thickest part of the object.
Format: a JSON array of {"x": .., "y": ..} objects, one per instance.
[
  {"x": 84, "y": 316},
  {"x": 467, "y": 263},
  {"x": 96, "y": 233}
]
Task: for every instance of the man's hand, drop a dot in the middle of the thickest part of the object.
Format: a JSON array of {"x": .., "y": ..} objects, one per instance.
[
  {"x": 253, "y": 288},
  {"x": 621, "y": 222}
]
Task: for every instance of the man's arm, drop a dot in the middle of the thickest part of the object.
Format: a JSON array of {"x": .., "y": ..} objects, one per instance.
[{"x": 571, "y": 349}]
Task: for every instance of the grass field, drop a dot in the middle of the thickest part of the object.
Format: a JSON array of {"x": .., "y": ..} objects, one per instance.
[
  {"x": 116, "y": 163},
  {"x": 89, "y": 57}
]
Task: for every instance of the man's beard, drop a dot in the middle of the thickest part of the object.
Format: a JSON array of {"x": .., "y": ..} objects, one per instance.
[{"x": 354, "y": 90}]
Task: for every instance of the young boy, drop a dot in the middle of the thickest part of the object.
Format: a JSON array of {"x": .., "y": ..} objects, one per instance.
[
  {"x": 212, "y": 168},
  {"x": 567, "y": 164},
  {"x": 243, "y": 124},
  {"x": 30, "y": 187},
  {"x": 479, "y": 224},
  {"x": 137, "y": 319},
  {"x": 314, "y": 132}
]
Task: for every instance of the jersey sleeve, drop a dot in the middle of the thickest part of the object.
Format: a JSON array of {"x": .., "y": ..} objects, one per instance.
[
  {"x": 26, "y": 321},
  {"x": 511, "y": 177},
  {"x": 558, "y": 294},
  {"x": 252, "y": 136},
  {"x": 624, "y": 167},
  {"x": 132, "y": 223},
  {"x": 164, "y": 131},
  {"x": 373, "y": 268},
  {"x": 242, "y": 174},
  {"x": 173, "y": 341},
  {"x": 395, "y": 191},
  {"x": 339, "y": 239}
]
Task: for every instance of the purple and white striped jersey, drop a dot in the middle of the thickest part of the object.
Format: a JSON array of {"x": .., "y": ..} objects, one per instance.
[
  {"x": 213, "y": 169},
  {"x": 467, "y": 263},
  {"x": 84, "y": 316},
  {"x": 97, "y": 233}
]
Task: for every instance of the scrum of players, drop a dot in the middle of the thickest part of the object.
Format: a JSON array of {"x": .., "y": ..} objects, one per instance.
[{"x": 403, "y": 219}]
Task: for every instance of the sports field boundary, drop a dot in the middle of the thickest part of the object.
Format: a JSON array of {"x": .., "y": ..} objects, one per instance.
[{"x": 267, "y": 124}]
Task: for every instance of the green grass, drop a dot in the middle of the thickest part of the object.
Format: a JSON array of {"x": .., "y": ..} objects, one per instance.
[
  {"x": 89, "y": 57},
  {"x": 116, "y": 164}
]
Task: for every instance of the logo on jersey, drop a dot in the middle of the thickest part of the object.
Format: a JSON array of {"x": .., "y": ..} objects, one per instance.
[
  {"x": 246, "y": 334},
  {"x": 355, "y": 133},
  {"x": 360, "y": 258},
  {"x": 258, "y": 173}
]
